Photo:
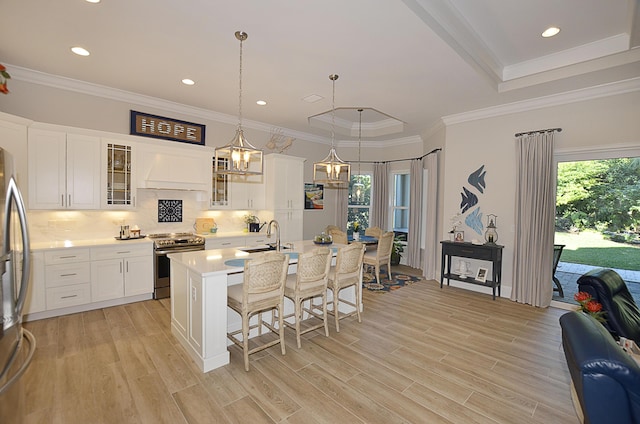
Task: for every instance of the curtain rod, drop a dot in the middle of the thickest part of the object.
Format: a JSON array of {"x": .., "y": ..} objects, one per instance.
[
  {"x": 397, "y": 160},
  {"x": 538, "y": 131}
]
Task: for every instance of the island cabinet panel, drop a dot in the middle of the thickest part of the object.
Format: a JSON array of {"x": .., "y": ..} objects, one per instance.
[{"x": 199, "y": 315}]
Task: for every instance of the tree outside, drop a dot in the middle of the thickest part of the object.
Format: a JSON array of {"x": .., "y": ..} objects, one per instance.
[
  {"x": 359, "y": 200},
  {"x": 602, "y": 195}
]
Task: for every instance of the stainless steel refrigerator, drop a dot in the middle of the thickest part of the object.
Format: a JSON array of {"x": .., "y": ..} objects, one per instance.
[{"x": 17, "y": 345}]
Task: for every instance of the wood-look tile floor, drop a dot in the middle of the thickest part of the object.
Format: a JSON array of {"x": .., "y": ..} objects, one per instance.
[{"x": 421, "y": 355}]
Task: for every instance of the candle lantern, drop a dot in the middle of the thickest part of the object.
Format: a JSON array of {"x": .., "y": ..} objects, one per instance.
[{"x": 491, "y": 235}]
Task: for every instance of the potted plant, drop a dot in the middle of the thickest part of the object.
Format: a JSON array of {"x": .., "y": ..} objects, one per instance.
[
  {"x": 396, "y": 251},
  {"x": 356, "y": 230}
]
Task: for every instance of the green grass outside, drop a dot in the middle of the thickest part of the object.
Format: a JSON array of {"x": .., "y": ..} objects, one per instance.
[{"x": 590, "y": 248}]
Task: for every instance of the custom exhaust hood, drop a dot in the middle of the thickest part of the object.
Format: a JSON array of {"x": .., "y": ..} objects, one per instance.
[{"x": 174, "y": 171}]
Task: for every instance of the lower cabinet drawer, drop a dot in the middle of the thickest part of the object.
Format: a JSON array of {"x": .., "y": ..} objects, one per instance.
[
  {"x": 65, "y": 274},
  {"x": 62, "y": 297}
]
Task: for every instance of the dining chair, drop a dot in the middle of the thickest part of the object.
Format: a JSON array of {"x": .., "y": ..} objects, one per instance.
[
  {"x": 338, "y": 236},
  {"x": 308, "y": 284},
  {"x": 262, "y": 289},
  {"x": 373, "y": 232},
  {"x": 381, "y": 255},
  {"x": 346, "y": 273}
]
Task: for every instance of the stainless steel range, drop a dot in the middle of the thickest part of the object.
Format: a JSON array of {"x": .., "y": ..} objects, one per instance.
[{"x": 166, "y": 243}]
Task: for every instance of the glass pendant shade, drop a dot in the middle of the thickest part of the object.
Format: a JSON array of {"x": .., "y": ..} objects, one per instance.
[
  {"x": 239, "y": 156},
  {"x": 491, "y": 234},
  {"x": 332, "y": 171}
]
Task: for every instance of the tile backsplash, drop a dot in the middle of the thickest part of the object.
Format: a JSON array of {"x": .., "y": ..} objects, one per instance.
[{"x": 87, "y": 224}]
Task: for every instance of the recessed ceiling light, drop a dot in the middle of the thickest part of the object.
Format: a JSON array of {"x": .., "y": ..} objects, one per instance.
[
  {"x": 550, "y": 32},
  {"x": 261, "y": 102},
  {"x": 188, "y": 81},
  {"x": 93, "y": 1},
  {"x": 80, "y": 51}
]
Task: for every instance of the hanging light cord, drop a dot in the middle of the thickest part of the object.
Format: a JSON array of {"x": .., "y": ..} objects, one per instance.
[
  {"x": 241, "y": 36},
  {"x": 359, "y": 143},
  {"x": 333, "y": 77}
]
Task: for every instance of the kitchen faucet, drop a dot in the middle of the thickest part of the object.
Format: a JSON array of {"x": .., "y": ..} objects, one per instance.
[{"x": 273, "y": 221}]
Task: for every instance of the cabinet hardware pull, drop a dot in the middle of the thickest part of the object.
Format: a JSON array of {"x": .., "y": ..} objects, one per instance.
[
  {"x": 120, "y": 267},
  {"x": 68, "y": 297},
  {"x": 122, "y": 253},
  {"x": 68, "y": 275},
  {"x": 67, "y": 257},
  {"x": 62, "y": 200}
]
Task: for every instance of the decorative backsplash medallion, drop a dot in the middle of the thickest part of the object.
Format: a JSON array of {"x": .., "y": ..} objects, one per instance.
[{"x": 169, "y": 210}]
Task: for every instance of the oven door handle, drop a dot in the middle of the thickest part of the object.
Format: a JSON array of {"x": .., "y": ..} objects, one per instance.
[{"x": 180, "y": 249}]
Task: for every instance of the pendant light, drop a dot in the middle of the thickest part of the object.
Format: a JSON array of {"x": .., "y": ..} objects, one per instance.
[
  {"x": 239, "y": 156},
  {"x": 332, "y": 170},
  {"x": 358, "y": 187}
]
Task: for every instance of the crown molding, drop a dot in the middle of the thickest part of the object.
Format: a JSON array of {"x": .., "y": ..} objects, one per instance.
[
  {"x": 596, "y": 92},
  {"x": 597, "y": 49},
  {"x": 96, "y": 90}
]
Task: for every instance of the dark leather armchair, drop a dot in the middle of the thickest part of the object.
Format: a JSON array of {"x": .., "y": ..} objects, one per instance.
[
  {"x": 606, "y": 380},
  {"x": 622, "y": 314}
]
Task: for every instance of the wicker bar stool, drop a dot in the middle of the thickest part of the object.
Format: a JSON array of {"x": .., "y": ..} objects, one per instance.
[{"x": 261, "y": 290}]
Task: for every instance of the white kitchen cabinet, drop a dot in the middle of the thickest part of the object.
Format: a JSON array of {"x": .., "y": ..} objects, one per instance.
[
  {"x": 107, "y": 279},
  {"x": 36, "y": 300},
  {"x": 291, "y": 224},
  {"x": 284, "y": 182},
  {"x": 285, "y": 194},
  {"x": 121, "y": 271},
  {"x": 223, "y": 242},
  {"x": 63, "y": 170},
  {"x": 119, "y": 175},
  {"x": 67, "y": 277},
  {"x": 247, "y": 192}
]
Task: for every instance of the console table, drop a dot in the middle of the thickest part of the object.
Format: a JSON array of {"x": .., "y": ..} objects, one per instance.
[{"x": 484, "y": 252}]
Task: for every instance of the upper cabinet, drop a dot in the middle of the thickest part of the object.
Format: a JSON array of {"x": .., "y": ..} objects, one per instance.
[
  {"x": 247, "y": 192},
  {"x": 220, "y": 190},
  {"x": 63, "y": 170},
  {"x": 284, "y": 182},
  {"x": 236, "y": 191},
  {"x": 118, "y": 168}
]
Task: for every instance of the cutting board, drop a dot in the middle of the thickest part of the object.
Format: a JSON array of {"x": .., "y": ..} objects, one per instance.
[{"x": 203, "y": 225}]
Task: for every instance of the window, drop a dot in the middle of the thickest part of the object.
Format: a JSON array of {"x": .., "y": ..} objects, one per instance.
[
  {"x": 359, "y": 199},
  {"x": 400, "y": 205}
]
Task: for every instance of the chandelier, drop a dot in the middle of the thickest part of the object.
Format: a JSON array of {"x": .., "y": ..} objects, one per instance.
[
  {"x": 239, "y": 156},
  {"x": 332, "y": 170}
]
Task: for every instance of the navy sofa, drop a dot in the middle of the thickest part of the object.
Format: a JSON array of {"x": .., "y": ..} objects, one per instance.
[{"x": 606, "y": 380}]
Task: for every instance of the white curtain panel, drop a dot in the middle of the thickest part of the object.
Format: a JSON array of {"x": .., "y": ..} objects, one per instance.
[
  {"x": 431, "y": 243},
  {"x": 414, "y": 255},
  {"x": 380, "y": 202},
  {"x": 342, "y": 207},
  {"x": 534, "y": 220}
]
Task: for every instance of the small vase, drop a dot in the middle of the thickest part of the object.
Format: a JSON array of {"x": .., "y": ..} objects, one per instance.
[{"x": 356, "y": 236}]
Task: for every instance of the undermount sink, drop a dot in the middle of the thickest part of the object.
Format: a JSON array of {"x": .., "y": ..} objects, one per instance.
[{"x": 265, "y": 248}]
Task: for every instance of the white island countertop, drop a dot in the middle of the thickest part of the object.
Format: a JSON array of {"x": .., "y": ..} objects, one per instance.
[{"x": 210, "y": 262}]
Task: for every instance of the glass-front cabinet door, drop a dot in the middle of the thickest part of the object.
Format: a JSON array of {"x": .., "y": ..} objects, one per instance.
[
  {"x": 219, "y": 186},
  {"x": 120, "y": 185}
]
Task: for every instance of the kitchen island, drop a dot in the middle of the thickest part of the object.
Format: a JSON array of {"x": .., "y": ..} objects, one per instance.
[{"x": 200, "y": 318}]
